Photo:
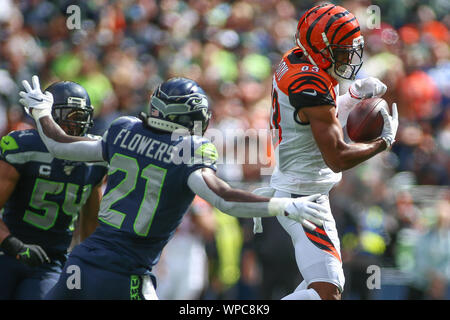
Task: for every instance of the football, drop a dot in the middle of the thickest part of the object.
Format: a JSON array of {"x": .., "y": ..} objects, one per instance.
[{"x": 365, "y": 121}]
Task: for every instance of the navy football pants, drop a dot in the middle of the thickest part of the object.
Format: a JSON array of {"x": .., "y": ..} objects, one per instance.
[
  {"x": 82, "y": 281},
  {"x": 21, "y": 282}
]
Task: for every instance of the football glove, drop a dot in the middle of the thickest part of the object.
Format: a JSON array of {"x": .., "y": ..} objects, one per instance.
[
  {"x": 358, "y": 90},
  {"x": 390, "y": 125},
  {"x": 367, "y": 88},
  {"x": 30, "y": 254},
  {"x": 34, "y": 99},
  {"x": 306, "y": 211}
]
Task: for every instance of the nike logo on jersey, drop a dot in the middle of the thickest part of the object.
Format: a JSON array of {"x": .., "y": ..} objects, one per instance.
[
  {"x": 313, "y": 93},
  {"x": 38, "y": 100}
]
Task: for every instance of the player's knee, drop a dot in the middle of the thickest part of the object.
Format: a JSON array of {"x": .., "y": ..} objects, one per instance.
[{"x": 326, "y": 291}]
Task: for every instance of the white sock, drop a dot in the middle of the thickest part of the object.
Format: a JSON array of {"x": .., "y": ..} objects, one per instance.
[{"x": 308, "y": 294}]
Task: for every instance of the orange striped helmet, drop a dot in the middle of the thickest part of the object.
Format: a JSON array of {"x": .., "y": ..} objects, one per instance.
[{"x": 330, "y": 36}]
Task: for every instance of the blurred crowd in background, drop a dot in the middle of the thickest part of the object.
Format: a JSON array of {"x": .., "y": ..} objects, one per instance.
[{"x": 393, "y": 211}]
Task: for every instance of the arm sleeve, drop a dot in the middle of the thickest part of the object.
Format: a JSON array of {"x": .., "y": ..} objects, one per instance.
[
  {"x": 345, "y": 104},
  {"x": 238, "y": 209},
  {"x": 76, "y": 151}
]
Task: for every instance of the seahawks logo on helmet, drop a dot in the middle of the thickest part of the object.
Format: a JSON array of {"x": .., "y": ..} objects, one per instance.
[{"x": 178, "y": 103}]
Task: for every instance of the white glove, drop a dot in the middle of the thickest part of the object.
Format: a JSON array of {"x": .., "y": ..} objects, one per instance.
[
  {"x": 367, "y": 88},
  {"x": 307, "y": 212},
  {"x": 390, "y": 125},
  {"x": 33, "y": 100},
  {"x": 359, "y": 89}
]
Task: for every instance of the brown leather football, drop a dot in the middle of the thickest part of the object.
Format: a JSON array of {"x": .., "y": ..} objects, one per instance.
[{"x": 365, "y": 122}]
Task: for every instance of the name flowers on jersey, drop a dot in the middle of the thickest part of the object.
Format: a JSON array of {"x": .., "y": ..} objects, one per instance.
[{"x": 187, "y": 151}]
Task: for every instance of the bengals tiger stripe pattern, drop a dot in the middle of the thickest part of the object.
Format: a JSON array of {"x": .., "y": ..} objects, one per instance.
[
  {"x": 305, "y": 84},
  {"x": 321, "y": 240},
  {"x": 338, "y": 25}
]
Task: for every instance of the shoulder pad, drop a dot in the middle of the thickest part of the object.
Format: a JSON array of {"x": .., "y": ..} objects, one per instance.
[
  {"x": 119, "y": 123},
  {"x": 310, "y": 86},
  {"x": 19, "y": 147},
  {"x": 305, "y": 84},
  {"x": 199, "y": 150},
  {"x": 207, "y": 151},
  {"x": 125, "y": 120},
  {"x": 8, "y": 143},
  {"x": 22, "y": 141}
]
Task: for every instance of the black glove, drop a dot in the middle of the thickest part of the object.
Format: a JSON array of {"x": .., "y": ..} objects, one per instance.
[{"x": 30, "y": 254}]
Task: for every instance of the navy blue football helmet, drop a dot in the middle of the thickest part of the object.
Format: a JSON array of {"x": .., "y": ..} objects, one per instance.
[
  {"x": 72, "y": 108},
  {"x": 178, "y": 103}
]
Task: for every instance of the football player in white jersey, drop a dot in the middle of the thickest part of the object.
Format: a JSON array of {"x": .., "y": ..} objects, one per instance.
[{"x": 307, "y": 116}]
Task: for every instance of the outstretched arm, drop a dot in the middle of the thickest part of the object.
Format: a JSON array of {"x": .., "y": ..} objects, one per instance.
[
  {"x": 64, "y": 146},
  {"x": 239, "y": 203},
  {"x": 59, "y": 144}
]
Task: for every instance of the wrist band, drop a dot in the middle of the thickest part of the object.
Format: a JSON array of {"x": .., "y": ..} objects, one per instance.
[
  {"x": 39, "y": 113},
  {"x": 277, "y": 206},
  {"x": 352, "y": 94},
  {"x": 388, "y": 143}
]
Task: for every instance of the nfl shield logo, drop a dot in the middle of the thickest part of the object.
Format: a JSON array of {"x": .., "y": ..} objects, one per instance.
[{"x": 68, "y": 170}]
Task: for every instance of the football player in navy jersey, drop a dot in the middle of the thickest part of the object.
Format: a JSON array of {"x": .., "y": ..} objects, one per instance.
[
  {"x": 42, "y": 196},
  {"x": 157, "y": 163}
]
